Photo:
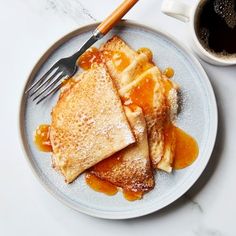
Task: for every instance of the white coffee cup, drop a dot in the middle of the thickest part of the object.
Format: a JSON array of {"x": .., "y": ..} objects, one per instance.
[{"x": 187, "y": 13}]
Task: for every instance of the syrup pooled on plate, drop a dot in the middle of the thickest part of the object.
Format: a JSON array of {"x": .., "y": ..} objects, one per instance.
[
  {"x": 109, "y": 189},
  {"x": 186, "y": 149},
  {"x": 100, "y": 185},
  {"x": 185, "y": 146},
  {"x": 169, "y": 72},
  {"x": 42, "y": 139},
  {"x": 132, "y": 196}
]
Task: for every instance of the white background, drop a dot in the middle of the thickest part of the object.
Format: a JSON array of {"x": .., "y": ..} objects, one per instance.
[{"x": 28, "y": 28}]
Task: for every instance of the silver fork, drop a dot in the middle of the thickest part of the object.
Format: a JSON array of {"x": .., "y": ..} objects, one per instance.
[{"x": 51, "y": 81}]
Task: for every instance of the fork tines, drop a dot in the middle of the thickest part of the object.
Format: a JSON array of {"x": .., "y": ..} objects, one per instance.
[{"x": 48, "y": 84}]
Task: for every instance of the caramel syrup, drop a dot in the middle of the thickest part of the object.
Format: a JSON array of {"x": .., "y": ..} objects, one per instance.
[
  {"x": 109, "y": 189},
  {"x": 42, "y": 139},
  {"x": 119, "y": 59},
  {"x": 107, "y": 164},
  {"x": 142, "y": 95},
  {"x": 147, "y": 52},
  {"x": 100, "y": 185},
  {"x": 132, "y": 196},
  {"x": 91, "y": 56},
  {"x": 186, "y": 149},
  {"x": 169, "y": 72}
]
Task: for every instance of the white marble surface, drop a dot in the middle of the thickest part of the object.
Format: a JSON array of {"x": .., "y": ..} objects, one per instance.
[{"x": 28, "y": 28}]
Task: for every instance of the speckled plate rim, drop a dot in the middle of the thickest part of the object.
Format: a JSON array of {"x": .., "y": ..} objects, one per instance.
[{"x": 172, "y": 197}]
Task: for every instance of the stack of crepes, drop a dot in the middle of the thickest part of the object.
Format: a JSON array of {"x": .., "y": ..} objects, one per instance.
[{"x": 115, "y": 120}]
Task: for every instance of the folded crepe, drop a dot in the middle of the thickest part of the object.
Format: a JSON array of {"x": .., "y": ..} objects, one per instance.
[
  {"x": 140, "y": 82},
  {"x": 88, "y": 123},
  {"x": 129, "y": 168}
]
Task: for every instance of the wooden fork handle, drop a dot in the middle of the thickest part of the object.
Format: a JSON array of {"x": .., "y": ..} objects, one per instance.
[{"x": 115, "y": 16}]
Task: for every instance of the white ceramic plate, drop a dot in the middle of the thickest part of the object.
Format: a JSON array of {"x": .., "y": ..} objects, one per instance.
[{"x": 198, "y": 118}]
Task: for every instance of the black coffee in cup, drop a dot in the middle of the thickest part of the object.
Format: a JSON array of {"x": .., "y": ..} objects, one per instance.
[{"x": 215, "y": 26}]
